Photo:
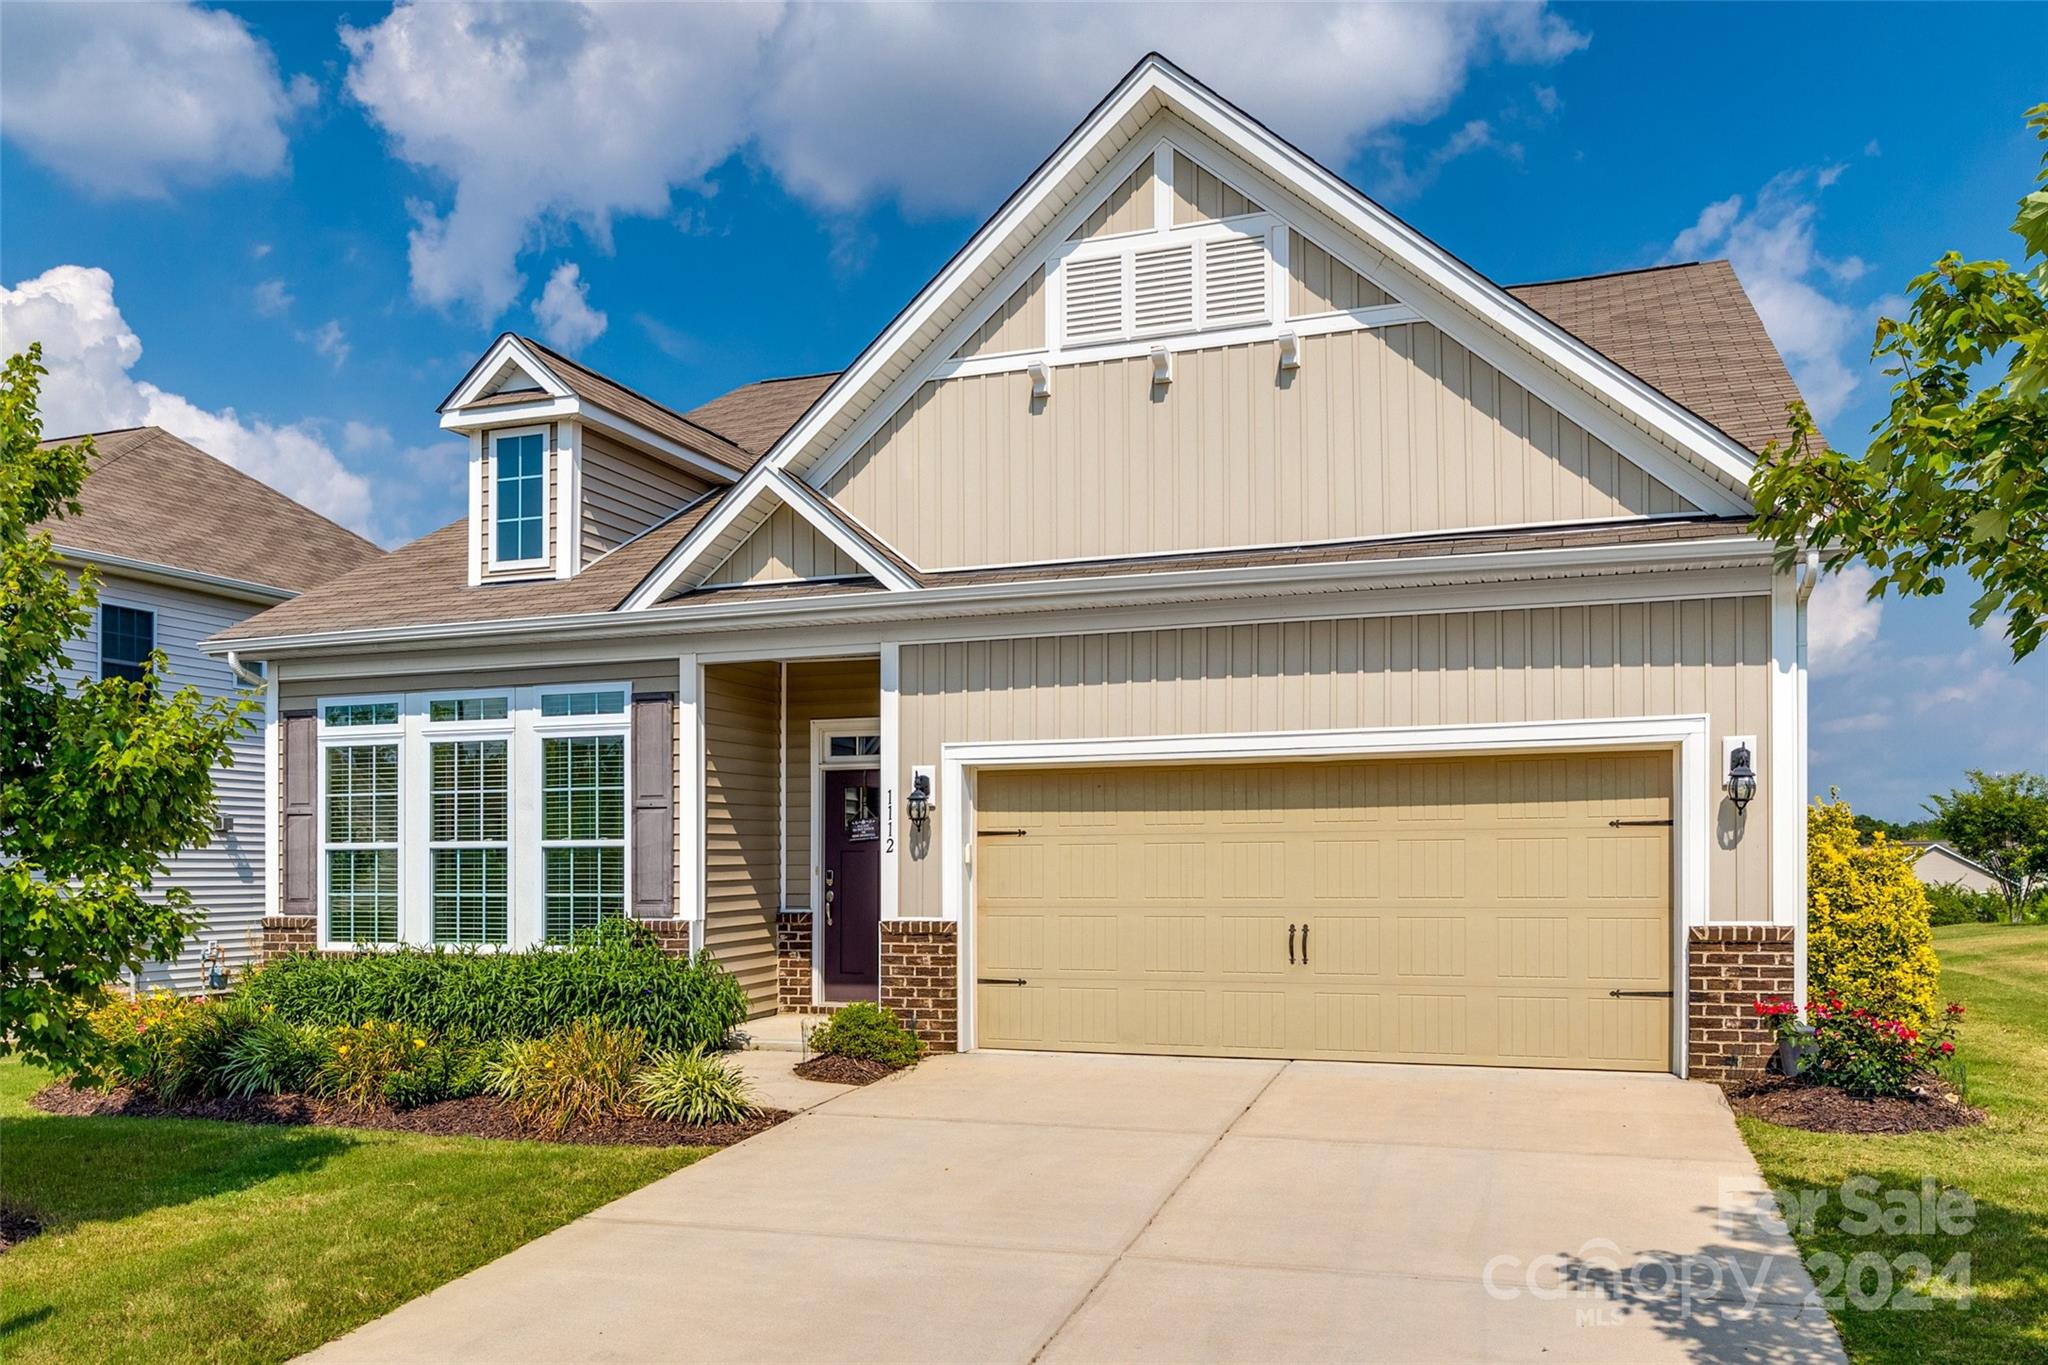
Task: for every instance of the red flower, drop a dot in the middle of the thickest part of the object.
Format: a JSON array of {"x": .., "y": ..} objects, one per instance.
[
  {"x": 1948, "y": 1049},
  {"x": 1955, "y": 1007}
]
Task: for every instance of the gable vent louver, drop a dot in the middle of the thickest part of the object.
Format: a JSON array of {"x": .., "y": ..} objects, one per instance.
[
  {"x": 1164, "y": 281},
  {"x": 1234, "y": 280},
  {"x": 1094, "y": 298}
]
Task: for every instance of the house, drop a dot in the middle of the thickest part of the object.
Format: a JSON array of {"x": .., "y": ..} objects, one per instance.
[
  {"x": 187, "y": 546},
  {"x": 1209, "y": 618},
  {"x": 1936, "y": 864}
]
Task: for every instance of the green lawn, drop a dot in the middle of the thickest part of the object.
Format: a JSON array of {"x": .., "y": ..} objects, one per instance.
[
  {"x": 172, "y": 1239},
  {"x": 2001, "y": 973}
]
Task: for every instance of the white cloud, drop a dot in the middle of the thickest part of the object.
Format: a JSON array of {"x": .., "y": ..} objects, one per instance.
[
  {"x": 130, "y": 100},
  {"x": 1841, "y": 621},
  {"x": 567, "y": 321},
  {"x": 940, "y": 108},
  {"x": 1398, "y": 182},
  {"x": 273, "y": 299},
  {"x": 329, "y": 341},
  {"x": 89, "y": 351},
  {"x": 1771, "y": 245}
]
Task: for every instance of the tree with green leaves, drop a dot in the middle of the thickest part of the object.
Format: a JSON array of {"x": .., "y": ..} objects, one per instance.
[
  {"x": 2001, "y": 821},
  {"x": 100, "y": 782},
  {"x": 1956, "y": 478}
]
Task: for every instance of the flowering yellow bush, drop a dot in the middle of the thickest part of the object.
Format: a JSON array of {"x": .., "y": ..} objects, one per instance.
[{"x": 1866, "y": 920}]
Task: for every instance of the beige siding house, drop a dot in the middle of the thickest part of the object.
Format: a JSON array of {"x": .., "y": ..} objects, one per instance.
[{"x": 1209, "y": 619}]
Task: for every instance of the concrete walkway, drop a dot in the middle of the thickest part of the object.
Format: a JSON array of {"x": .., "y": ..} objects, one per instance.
[{"x": 1019, "y": 1206}]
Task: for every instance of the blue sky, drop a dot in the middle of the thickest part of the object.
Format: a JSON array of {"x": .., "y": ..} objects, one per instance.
[{"x": 286, "y": 230}]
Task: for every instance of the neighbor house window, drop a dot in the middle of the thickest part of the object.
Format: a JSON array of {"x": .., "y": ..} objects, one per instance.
[
  {"x": 361, "y": 837},
  {"x": 469, "y": 837},
  {"x": 520, "y": 496},
  {"x": 583, "y": 831},
  {"x": 127, "y": 635}
]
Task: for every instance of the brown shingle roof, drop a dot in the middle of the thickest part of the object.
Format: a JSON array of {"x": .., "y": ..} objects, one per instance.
[
  {"x": 593, "y": 387},
  {"x": 1688, "y": 330},
  {"x": 755, "y": 415},
  {"x": 425, "y": 583},
  {"x": 154, "y": 498}
]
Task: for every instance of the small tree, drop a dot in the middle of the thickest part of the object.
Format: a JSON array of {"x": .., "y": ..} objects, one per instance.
[
  {"x": 2001, "y": 820},
  {"x": 1957, "y": 476},
  {"x": 99, "y": 781},
  {"x": 1867, "y": 941}
]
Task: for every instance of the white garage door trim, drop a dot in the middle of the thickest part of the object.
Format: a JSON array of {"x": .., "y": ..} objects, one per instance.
[{"x": 1693, "y": 796}]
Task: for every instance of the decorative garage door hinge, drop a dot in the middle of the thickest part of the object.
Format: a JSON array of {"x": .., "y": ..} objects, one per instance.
[
  {"x": 1617, "y": 824},
  {"x": 1002, "y": 833},
  {"x": 999, "y": 981},
  {"x": 1640, "y": 995}
]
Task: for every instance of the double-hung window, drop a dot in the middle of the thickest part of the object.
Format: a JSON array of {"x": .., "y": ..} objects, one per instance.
[
  {"x": 359, "y": 755},
  {"x": 127, "y": 635},
  {"x": 469, "y": 819},
  {"x": 582, "y": 810},
  {"x": 519, "y": 497}
]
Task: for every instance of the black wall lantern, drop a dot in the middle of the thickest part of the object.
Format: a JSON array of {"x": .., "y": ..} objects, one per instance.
[
  {"x": 919, "y": 802},
  {"x": 1741, "y": 777}
]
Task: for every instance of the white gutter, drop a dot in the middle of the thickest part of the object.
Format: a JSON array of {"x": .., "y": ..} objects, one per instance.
[
  {"x": 1076, "y": 591},
  {"x": 266, "y": 593}
]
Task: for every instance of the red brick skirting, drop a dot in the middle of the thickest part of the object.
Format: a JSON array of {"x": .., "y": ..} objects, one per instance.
[
  {"x": 793, "y": 962},
  {"x": 1730, "y": 966},
  {"x": 284, "y": 935},
  {"x": 921, "y": 978},
  {"x": 672, "y": 934}
]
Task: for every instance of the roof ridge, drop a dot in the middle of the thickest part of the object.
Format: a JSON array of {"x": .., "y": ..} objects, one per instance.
[
  {"x": 246, "y": 477},
  {"x": 1616, "y": 274}
]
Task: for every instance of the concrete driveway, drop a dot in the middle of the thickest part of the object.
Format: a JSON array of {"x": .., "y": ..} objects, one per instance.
[{"x": 1026, "y": 1206}]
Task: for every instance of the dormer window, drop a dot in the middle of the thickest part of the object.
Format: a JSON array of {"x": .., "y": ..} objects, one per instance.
[{"x": 519, "y": 490}]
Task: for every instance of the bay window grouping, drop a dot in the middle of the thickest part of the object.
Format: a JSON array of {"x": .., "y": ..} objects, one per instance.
[{"x": 489, "y": 818}]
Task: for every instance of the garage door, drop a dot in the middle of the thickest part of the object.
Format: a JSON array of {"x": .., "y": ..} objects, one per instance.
[{"x": 1501, "y": 911}]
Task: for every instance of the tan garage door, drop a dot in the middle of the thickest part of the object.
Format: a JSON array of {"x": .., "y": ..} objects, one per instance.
[{"x": 1477, "y": 910}]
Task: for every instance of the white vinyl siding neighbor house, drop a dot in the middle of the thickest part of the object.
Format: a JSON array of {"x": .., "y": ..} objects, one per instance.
[{"x": 1209, "y": 618}]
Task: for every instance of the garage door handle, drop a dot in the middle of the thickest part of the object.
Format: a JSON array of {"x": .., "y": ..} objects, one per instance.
[
  {"x": 999, "y": 981},
  {"x": 1304, "y": 945},
  {"x": 1639, "y": 995},
  {"x": 1290, "y": 945}
]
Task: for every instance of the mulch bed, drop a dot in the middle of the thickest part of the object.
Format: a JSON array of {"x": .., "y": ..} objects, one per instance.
[
  {"x": 16, "y": 1227},
  {"x": 842, "y": 1070},
  {"x": 1824, "y": 1109},
  {"x": 480, "y": 1116}
]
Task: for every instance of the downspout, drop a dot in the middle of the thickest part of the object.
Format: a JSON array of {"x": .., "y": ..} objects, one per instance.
[{"x": 248, "y": 679}]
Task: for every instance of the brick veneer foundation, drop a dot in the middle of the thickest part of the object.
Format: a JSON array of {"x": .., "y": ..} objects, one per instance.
[
  {"x": 1730, "y": 966},
  {"x": 921, "y": 978},
  {"x": 284, "y": 935},
  {"x": 672, "y": 934},
  {"x": 793, "y": 962}
]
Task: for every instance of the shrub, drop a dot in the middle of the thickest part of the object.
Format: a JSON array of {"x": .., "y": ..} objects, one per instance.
[
  {"x": 1867, "y": 931},
  {"x": 580, "y": 1075},
  {"x": 272, "y": 1056},
  {"x": 358, "y": 1062},
  {"x": 689, "y": 1087},
  {"x": 1864, "y": 1051},
  {"x": 439, "y": 1071},
  {"x": 618, "y": 975},
  {"x": 171, "y": 1048},
  {"x": 1959, "y": 905},
  {"x": 869, "y": 1033}
]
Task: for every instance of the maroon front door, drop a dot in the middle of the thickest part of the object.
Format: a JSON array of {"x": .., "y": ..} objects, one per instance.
[{"x": 851, "y": 893}]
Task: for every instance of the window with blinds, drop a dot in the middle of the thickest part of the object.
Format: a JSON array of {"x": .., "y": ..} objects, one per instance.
[{"x": 1160, "y": 284}]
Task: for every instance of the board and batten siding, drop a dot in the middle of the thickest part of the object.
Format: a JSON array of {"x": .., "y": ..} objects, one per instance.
[
  {"x": 1706, "y": 656},
  {"x": 224, "y": 876},
  {"x": 785, "y": 548},
  {"x": 1199, "y": 196},
  {"x": 1019, "y": 325},
  {"x": 1382, "y": 431},
  {"x": 1128, "y": 207},
  {"x": 625, "y": 491},
  {"x": 831, "y": 689},
  {"x": 742, "y": 780},
  {"x": 1319, "y": 283}
]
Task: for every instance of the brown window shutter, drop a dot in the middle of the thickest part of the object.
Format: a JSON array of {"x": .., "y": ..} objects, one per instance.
[
  {"x": 654, "y": 764},
  {"x": 301, "y": 781}
]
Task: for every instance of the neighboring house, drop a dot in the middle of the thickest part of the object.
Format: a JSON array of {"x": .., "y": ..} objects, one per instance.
[
  {"x": 1210, "y": 618},
  {"x": 1936, "y": 864},
  {"x": 187, "y": 546}
]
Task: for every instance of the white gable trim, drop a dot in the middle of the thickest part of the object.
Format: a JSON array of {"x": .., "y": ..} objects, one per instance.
[
  {"x": 750, "y": 505},
  {"x": 507, "y": 350},
  {"x": 1704, "y": 464}
]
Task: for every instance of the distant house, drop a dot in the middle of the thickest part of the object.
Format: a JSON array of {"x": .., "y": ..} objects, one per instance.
[
  {"x": 1936, "y": 864},
  {"x": 187, "y": 546}
]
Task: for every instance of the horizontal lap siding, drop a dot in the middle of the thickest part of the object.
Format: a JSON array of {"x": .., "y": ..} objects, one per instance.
[
  {"x": 1709, "y": 656},
  {"x": 741, "y": 783},
  {"x": 837, "y": 689},
  {"x": 625, "y": 491},
  {"x": 1382, "y": 431}
]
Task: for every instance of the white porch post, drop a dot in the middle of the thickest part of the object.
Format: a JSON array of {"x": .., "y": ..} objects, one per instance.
[
  {"x": 690, "y": 786},
  {"x": 892, "y": 784}
]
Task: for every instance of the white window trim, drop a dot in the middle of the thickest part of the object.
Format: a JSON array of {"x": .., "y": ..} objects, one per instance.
[
  {"x": 468, "y": 732},
  {"x": 524, "y": 728},
  {"x": 822, "y": 734},
  {"x": 1695, "y": 794},
  {"x": 547, "y": 477},
  {"x": 328, "y": 738}
]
